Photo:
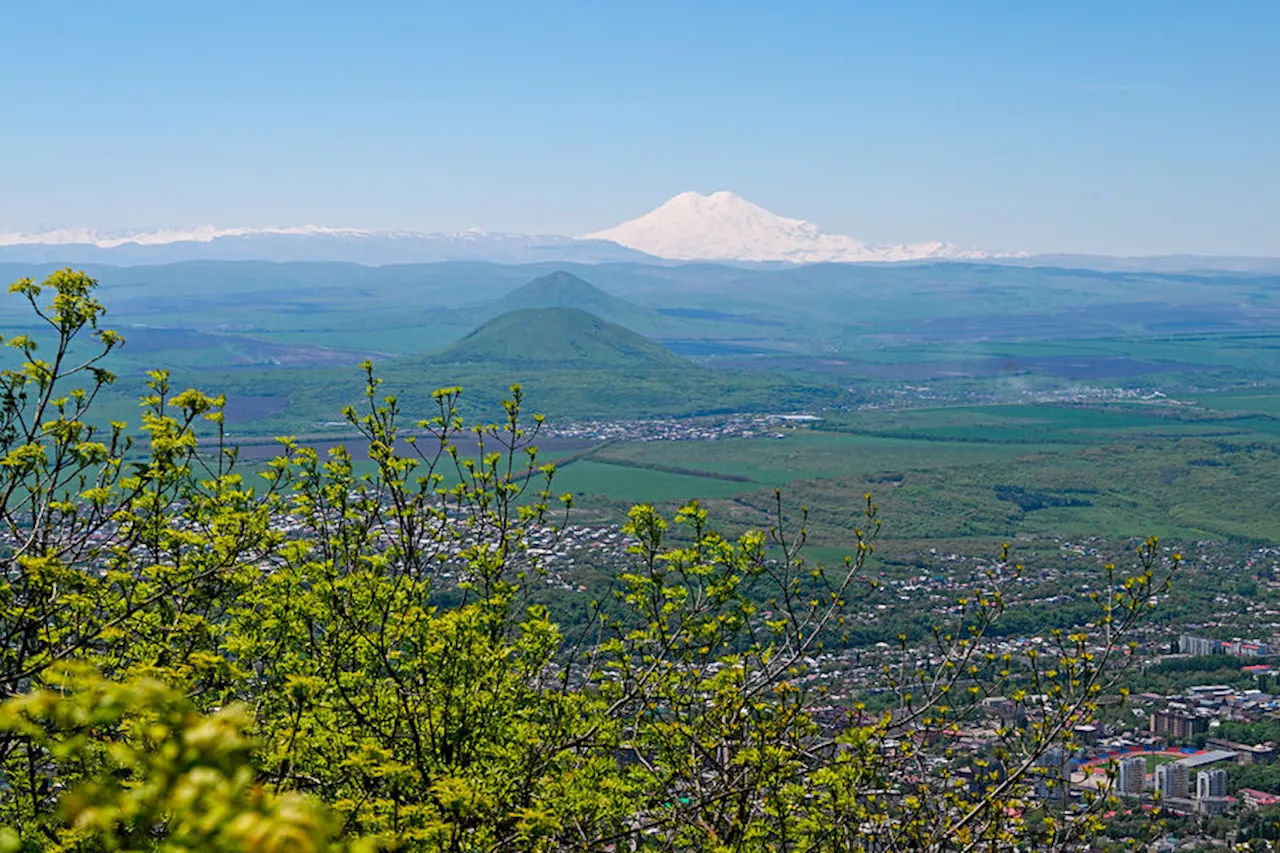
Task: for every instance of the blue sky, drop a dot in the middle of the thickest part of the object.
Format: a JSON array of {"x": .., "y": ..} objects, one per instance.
[{"x": 1119, "y": 127}]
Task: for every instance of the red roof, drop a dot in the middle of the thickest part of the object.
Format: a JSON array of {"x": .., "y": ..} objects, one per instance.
[{"x": 1262, "y": 798}]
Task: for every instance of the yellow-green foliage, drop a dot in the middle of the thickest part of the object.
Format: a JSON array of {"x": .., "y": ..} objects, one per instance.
[
  {"x": 325, "y": 659},
  {"x": 145, "y": 769}
]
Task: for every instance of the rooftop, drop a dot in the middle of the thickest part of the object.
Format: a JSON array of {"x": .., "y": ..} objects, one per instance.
[{"x": 1211, "y": 756}]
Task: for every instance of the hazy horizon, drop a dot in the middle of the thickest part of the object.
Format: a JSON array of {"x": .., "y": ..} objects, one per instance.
[{"x": 1132, "y": 130}]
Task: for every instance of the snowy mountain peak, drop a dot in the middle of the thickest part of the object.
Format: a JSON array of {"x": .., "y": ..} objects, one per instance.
[
  {"x": 721, "y": 226},
  {"x": 724, "y": 226}
]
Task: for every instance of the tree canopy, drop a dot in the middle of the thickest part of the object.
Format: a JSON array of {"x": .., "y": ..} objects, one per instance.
[{"x": 324, "y": 655}]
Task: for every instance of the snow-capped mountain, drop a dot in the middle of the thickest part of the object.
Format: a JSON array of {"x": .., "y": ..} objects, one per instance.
[
  {"x": 305, "y": 243},
  {"x": 723, "y": 226},
  {"x": 717, "y": 227}
]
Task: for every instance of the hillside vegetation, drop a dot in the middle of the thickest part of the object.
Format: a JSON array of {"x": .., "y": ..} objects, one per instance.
[
  {"x": 562, "y": 289},
  {"x": 558, "y": 337},
  {"x": 318, "y": 659}
]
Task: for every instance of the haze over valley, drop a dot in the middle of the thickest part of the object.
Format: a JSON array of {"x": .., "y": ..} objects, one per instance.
[{"x": 663, "y": 427}]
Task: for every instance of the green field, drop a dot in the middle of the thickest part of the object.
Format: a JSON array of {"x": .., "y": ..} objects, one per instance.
[
  {"x": 1118, "y": 484},
  {"x": 635, "y": 485},
  {"x": 1266, "y": 403},
  {"x": 1069, "y": 424},
  {"x": 974, "y": 402}
]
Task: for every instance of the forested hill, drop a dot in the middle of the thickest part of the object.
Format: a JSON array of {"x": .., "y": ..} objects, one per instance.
[{"x": 559, "y": 337}]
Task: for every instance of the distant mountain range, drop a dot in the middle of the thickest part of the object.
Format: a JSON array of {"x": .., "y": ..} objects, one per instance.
[
  {"x": 309, "y": 243},
  {"x": 721, "y": 227}
]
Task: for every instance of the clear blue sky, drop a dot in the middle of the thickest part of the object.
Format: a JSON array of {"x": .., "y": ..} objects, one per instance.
[{"x": 1117, "y": 127}]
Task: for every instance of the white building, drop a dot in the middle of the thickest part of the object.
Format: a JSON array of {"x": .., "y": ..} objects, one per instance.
[{"x": 1211, "y": 784}]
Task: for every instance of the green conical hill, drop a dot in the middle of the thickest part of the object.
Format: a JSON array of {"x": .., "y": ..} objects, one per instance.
[
  {"x": 565, "y": 290},
  {"x": 560, "y": 337}
]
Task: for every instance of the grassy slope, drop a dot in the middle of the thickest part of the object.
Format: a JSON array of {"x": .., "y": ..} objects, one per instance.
[{"x": 557, "y": 337}]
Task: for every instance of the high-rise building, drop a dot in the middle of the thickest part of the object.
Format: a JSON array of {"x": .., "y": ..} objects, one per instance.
[
  {"x": 1211, "y": 784},
  {"x": 1132, "y": 778},
  {"x": 1055, "y": 783},
  {"x": 1198, "y": 646},
  {"x": 1173, "y": 780},
  {"x": 1177, "y": 725}
]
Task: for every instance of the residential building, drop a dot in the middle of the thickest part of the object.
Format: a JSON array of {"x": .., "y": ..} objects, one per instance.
[
  {"x": 1176, "y": 724},
  {"x": 1255, "y": 799},
  {"x": 1173, "y": 780},
  {"x": 1198, "y": 646},
  {"x": 1132, "y": 778},
  {"x": 1002, "y": 707},
  {"x": 1211, "y": 784}
]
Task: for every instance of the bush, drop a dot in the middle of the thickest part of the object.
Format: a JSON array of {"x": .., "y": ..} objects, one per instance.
[{"x": 316, "y": 657}]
